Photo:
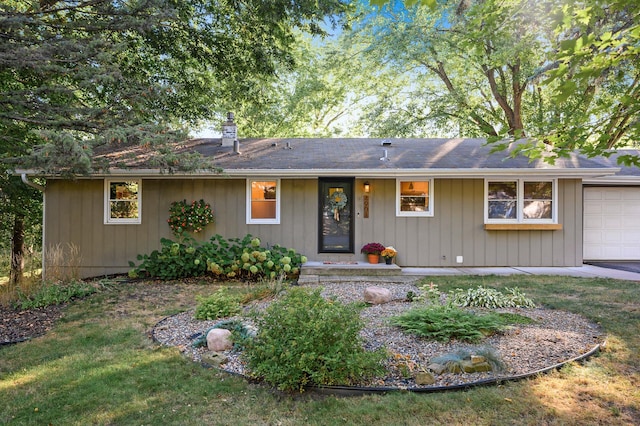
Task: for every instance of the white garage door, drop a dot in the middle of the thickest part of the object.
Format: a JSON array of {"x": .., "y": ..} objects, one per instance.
[{"x": 612, "y": 223}]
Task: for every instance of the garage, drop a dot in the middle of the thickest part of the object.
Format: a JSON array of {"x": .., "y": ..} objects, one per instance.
[{"x": 611, "y": 223}]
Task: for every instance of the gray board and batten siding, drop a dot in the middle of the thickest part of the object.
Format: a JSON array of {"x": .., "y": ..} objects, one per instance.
[{"x": 75, "y": 209}]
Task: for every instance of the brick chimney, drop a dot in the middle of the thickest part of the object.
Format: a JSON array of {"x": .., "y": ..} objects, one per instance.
[{"x": 229, "y": 131}]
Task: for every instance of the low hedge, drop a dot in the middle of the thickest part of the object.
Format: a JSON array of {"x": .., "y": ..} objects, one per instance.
[{"x": 238, "y": 258}]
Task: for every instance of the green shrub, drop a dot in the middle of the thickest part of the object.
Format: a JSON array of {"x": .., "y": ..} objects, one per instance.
[
  {"x": 411, "y": 296},
  {"x": 223, "y": 258},
  {"x": 482, "y": 297},
  {"x": 218, "y": 305},
  {"x": 304, "y": 339},
  {"x": 174, "y": 260},
  {"x": 428, "y": 293},
  {"x": 518, "y": 298},
  {"x": 247, "y": 259},
  {"x": 446, "y": 322},
  {"x": 54, "y": 294}
]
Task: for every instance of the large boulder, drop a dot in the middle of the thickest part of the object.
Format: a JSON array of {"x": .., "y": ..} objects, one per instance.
[
  {"x": 377, "y": 295},
  {"x": 219, "y": 339}
]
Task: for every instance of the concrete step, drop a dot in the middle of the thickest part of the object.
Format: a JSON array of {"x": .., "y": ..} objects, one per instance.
[
  {"x": 349, "y": 269},
  {"x": 313, "y": 272}
]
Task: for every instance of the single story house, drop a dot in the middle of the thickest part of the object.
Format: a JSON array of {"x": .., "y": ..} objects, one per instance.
[{"x": 439, "y": 202}]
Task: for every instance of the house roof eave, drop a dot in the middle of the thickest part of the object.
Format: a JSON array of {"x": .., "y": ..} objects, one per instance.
[
  {"x": 583, "y": 173},
  {"x": 442, "y": 173},
  {"x": 612, "y": 180}
]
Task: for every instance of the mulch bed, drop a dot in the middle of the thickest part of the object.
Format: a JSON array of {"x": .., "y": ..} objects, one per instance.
[{"x": 19, "y": 325}]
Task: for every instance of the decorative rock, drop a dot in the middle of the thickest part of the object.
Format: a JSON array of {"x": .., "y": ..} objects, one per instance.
[
  {"x": 482, "y": 367},
  {"x": 470, "y": 367},
  {"x": 214, "y": 358},
  {"x": 467, "y": 366},
  {"x": 219, "y": 339},
  {"x": 454, "y": 367},
  {"x": 377, "y": 295},
  {"x": 425, "y": 378},
  {"x": 437, "y": 368},
  {"x": 477, "y": 359}
]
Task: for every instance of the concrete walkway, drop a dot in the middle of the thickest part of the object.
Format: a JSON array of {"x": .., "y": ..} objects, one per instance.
[
  {"x": 311, "y": 271},
  {"x": 585, "y": 271}
]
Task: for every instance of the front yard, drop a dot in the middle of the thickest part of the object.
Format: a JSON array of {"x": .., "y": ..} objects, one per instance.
[{"x": 99, "y": 366}]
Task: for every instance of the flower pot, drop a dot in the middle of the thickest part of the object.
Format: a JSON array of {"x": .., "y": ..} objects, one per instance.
[
  {"x": 388, "y": 260},
  {"x": 373, "y": 258}
]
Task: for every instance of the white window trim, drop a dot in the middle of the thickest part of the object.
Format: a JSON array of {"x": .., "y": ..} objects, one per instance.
[
  {"x": 429, "y": 212},
  {"x": 250, "y": 220},
  {"x": 520, "y": 201},
  {"x": 108, "y": 220}
]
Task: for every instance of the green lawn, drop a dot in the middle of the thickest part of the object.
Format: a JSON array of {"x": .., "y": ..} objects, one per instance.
[{"x": 98, "y": 366}]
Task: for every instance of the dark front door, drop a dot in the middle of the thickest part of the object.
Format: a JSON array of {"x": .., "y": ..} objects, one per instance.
[{"x": 336, "y": 215}]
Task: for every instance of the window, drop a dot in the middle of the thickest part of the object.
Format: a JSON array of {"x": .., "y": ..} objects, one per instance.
[
  {"x": 414, "y": 197},
  {"x": 263, "y": 200},
  {"x": 503, "y": 200},
  {"x": 122, "y": 201},
  {"x": 520, "y": 201}
]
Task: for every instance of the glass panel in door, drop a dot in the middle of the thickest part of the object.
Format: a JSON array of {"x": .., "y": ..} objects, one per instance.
[{"x": 336, "y": 215}]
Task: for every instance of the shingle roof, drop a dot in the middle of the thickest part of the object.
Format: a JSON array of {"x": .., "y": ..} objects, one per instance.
[
  {"x": 626, "y": 175},
  {"x": 612, "y": 161},
  {"x": 375, "y": 156}
]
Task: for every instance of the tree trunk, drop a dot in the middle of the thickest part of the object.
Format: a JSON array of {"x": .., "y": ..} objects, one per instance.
[
  {"x": 518, "y": 89},
  {"x": 501, "y": 99},
  {"x": 17, "y": 252},
  {"x": 483, "y": 125}
]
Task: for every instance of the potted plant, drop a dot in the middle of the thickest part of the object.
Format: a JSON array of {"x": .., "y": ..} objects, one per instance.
[
  {"x": 372, "y": 250},
  {"x": 388, "y": 254}
]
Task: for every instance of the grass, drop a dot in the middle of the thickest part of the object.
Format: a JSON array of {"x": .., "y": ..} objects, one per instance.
[{"x": 98, "y": 366}]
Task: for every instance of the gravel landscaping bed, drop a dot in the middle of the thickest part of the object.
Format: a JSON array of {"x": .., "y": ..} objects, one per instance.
[{"x": 554, "y": 338}]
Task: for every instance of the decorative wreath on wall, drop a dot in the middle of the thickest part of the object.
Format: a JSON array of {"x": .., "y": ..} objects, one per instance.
[
  {"x": 185, "y": 217},
  {"x": 337, "y": 201}
]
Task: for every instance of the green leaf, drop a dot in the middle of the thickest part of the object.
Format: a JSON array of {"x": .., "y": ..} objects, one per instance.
[
  {"x": 566, "y": 90},
  {"x": 606, "y": 36},
  {"x": 568, "y": 45},
  {"x": 583, "y": 16}
]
